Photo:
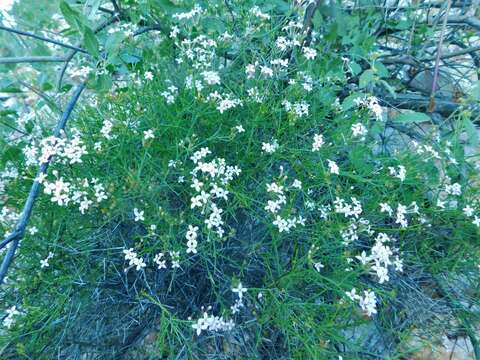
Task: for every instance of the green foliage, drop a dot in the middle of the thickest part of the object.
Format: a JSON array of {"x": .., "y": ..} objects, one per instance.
[{"x": 154, "y": 101}]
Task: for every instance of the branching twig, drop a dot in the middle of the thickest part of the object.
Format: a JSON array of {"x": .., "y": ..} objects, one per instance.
[
  {"x": 72, "y": 53},
  {"x": 30, "y": 59},
  {"x": 431, "y": 104},
  {"x": 22, "y": 222},
  {"x": 24, "y": 33}
]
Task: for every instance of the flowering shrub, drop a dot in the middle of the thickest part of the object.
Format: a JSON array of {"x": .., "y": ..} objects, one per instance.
[{"x": 230, "y": 193}]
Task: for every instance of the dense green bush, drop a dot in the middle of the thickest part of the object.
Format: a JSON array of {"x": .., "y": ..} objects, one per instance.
[{"x": 229, "y": 187}]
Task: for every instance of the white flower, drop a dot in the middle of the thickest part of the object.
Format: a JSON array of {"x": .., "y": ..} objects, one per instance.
[
  {"x": 162, "y": 264},
  {"x": 192, "y": 232},
  {"x": 297, "y": 184},
  {"x": 8, "y": 321},
  {"x": 148, "y": 75},
  {"x": 359, "y": 130},
  {"x": 317, "y": 142},
  {"x": 476, "y": 221},
  {"x": 239, "y": 129},
  {"x": 250, "y": 71},
  {"x": 134, "y": 259},
  {"x": 192, "y": 246},
  {"x": 138, "y": 214},
  {"x": 401, "y": 173},
  {"x": 333, "y": 167},
  {"x": 384, "y": 207},
  {"x": 352, "y": 294},
  {"x": 270, "y": 148},
  {"x": 33, "y": 230},
  {"x": 266, "y": 71},
  {"x": 318, "y": 266},
  {"x": 197, "y": 185},
  {"x": 239, "y": 290},
  {"x": 369, "y": 302},
  {"x": 309, "y": 53},
  {"x": 148, "y": 134},
  {"x": 468, "y": 210},
  {"x": 363, "y": 258},
  {"x": 175, "y": 255},
  {"x": 454, "y": 189},
  {"x": 106, "y": 129},
  {"x": 211, "y": 77}
]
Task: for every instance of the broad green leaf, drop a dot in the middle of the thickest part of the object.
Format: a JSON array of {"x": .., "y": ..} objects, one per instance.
[
  {"x": 356, "y": 69},
  {"x": 349, "y": 102},
  {"x": 113, "y": 43},
  {"x": 366, "y": 78},
  {"x": 72, "y": 17},
  {"x": 471, "y": 131},
  {"x": 90, "y": 42},
  {"x": 411, "y": 117},
  {"x": 382, "y": 71}
]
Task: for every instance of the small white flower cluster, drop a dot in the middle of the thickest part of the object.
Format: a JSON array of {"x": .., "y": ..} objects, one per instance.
[
  {"x": 293, "y": 28},
  {"x": 333, "y": 167},
  {"x": 239, "y": 290},
  {"x": 68, "y": 150},
  {"x": 254, "y": 95},
  {"x": 170, "y": 94},
  {"x": 9, "y": 320},
  {"x": 8, "y": 217},
  {"x": 212, "y": 323},
  {"x": 10, "y": 172},
  {"x": 138, "y": 215},
  {"x": 106, "y": 130},
  {"x": 209, "y": 179},
  {"x": 318, "y": 142},
  {"x": 270, "y": 148},
  {"x": 356, "y": 226},
  {"x": 316, "y": 264},
  {"x": 371, "y": 103},
  {"x": 161, "y": 263},
  {"x": 257, "y": 13},
  {"x": 191, "y": 236},
  {"x": 342, "y": 207},
  {"x": 468, "y": 211},
  {"x": 200, "y": 51},
  {"x": 197, "y": 10},
  {"x": 275, "y": 206},
  {"x": 133, "y": 259},
  {"x": 424, "y": 149},
  {"x": 402, "y": 211},
  {"x": 453, "y": 189},
  {"x": 63, "y": 192},
  {"x": 148, "y": 134},
  {"x": 224, "y": 101},
  {"x": 359, "y": 131},
  {"x": 297, "y": 109},
  {"x": 368, "y": 303},
  {"x": 148, "y": 75},
  {"x": 309, "y": 53},
  {"x": 44, "y": 263},
  {"x": 211, "y": 77},
  {"x": 400, "y": 172},
  {"x": 79, "y": 71},
  {"x": 381, "y": 257}
]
